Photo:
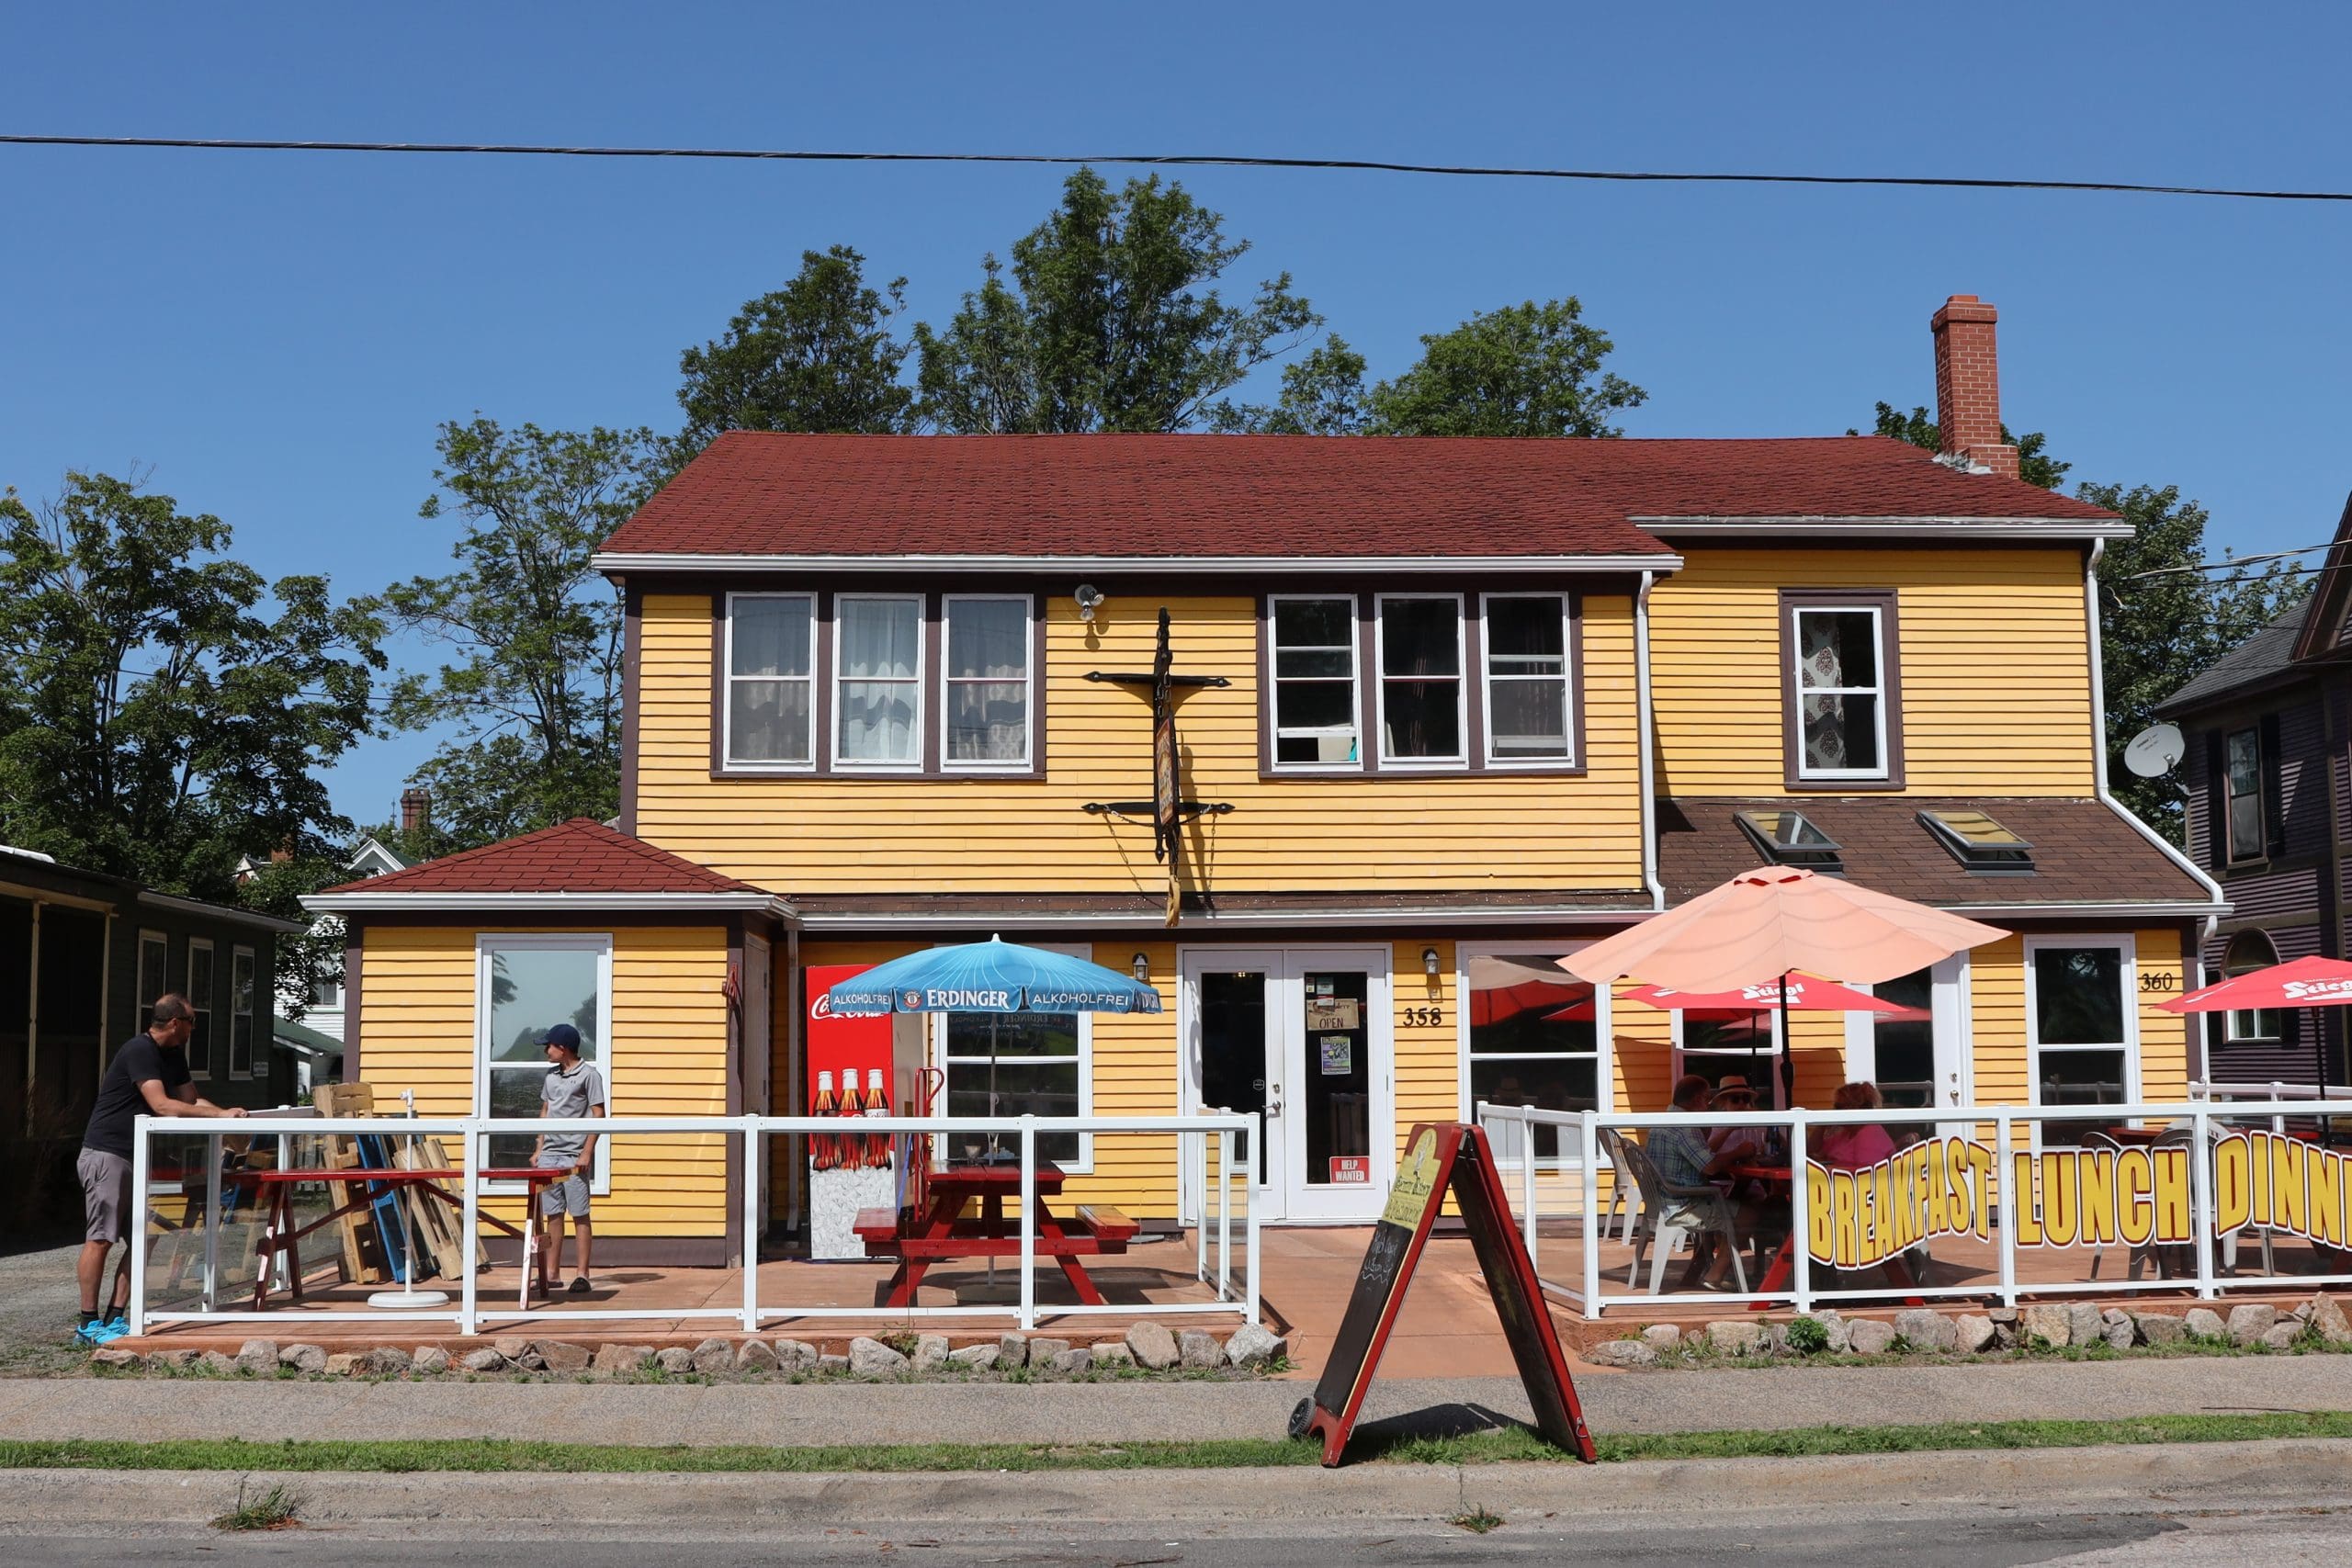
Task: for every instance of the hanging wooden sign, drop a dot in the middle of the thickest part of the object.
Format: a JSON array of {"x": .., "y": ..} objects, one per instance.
[{"x": 1442, "y": 1156}]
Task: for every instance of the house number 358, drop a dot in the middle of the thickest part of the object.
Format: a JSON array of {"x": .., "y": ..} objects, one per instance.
[{"x": 1424, "y": 1018}]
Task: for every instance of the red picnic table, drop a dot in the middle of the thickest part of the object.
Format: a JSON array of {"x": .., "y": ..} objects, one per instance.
[
  {"x": 281, "y": 1233},
  {"x": 1783, "y": 1267},
  {"x": 919, "y": 1239}
]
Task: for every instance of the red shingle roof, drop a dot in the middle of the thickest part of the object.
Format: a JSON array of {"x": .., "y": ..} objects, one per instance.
[
  {"x": 1144, "y": 496},
  {"x": 578, "y": 856}
]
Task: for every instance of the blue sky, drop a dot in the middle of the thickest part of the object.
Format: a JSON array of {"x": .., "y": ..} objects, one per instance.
[{"x": 278, "y": 335}]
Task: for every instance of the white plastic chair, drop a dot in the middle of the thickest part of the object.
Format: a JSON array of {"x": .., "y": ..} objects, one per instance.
[
  {"x": 1625, "y": 1197},
  {"x": 1673, "y": 1216}
]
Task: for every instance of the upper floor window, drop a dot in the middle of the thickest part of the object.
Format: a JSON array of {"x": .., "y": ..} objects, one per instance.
[
  {"x": 2249, "y": 951},
  {"x": 988, "y": 687},
  {"x": 849, "y": 682},
  {"x": 1528, "y": 695},
  {"x": 1447, "y": 689},
  {"x": 877, "y": 688},
  {"x": 1422, "y": 711},
  {"x": 1315, "y": 718},
  {"x": 2242, "y": 786},
  {"x": 770, "y": 707},
  {"x": 1841, "y": 688}
]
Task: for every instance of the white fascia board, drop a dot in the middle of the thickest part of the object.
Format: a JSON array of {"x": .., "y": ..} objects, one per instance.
[
  {"x": 1252, "y": 920},
  {"x": 1129, "y": 566},
  {"x": 391, "y": 902},
  {"x": 2062, "y": 529},
  {"x": 1992, "y": 914},
  {"x": 222, "y": 912}
]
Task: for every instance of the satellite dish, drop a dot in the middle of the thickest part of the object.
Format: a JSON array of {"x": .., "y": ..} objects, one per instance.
[{"x": 2155, "y": 750}]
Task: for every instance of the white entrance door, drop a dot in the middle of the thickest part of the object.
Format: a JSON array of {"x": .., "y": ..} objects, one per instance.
[
  {"x": 1300, "y": 1037},
  {"x": 1918, "y": 1062}
]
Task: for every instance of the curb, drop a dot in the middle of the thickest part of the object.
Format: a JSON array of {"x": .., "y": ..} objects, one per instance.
[{"x": 2123, "y": 1479}]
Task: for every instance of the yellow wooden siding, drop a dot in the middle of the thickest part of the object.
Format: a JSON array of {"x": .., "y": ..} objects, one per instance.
[
  {"x": 667, "y": 1057},
  {"x": 1994, "y": 666},
  {"x": 1393, "y": 831}
]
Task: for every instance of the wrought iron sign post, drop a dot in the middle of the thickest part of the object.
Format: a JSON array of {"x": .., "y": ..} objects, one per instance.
[{"x": 1166, "y": 808}]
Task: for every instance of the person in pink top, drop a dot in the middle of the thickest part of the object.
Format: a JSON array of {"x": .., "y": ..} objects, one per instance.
[{"x": 1854, "y": 1146}]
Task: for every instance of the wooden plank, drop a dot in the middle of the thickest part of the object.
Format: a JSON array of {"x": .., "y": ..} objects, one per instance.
[{"x": 361, "y": 1253}]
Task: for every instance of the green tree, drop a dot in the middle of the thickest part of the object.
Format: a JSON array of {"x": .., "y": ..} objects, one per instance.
[
  {"x": 531, "y": 696},
  {"x": 1106, "y": 321},
  {"x": 1523, "y": 370},
  {"x": 815, "y": 356},
  {"x": 163, "y": 711},
  {"x": 2166, "y": 609}
]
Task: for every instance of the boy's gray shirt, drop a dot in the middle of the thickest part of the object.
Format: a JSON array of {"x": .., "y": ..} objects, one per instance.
[{"x": 570, "y": 1094}]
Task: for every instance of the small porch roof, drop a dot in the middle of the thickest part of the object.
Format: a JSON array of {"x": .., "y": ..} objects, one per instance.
[{"x": 580, "y": 865}]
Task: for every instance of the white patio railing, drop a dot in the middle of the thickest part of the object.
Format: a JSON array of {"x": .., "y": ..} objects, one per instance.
[
  {"x": 2086, "y": 1194},
  {"x": 1206, "y": 1143}
]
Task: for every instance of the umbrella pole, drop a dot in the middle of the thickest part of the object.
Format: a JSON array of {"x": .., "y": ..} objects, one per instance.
[{"x": 1787, "y": 1060}]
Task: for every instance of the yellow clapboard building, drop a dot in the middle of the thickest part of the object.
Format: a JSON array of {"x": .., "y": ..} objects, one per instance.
[{"x": 1443, "y": 710}]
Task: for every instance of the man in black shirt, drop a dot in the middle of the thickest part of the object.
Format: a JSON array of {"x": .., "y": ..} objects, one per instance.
[{"x": 149, "y": 1073}]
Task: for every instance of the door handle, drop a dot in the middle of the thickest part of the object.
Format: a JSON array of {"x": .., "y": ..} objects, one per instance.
[{"x": 1273, "y": 1107}]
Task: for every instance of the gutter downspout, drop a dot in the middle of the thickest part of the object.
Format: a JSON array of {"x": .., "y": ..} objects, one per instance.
[
  {"x": 1645, "y": 721},
  {"x": 2098, "y": 776}
]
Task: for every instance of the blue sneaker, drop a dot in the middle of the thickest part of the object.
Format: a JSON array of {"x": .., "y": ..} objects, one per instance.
[
  {"x": 96, "y": 1332},
  {"x": 117, "y": 1325}
]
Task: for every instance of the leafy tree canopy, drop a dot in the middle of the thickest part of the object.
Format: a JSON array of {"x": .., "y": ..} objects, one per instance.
[
  {"x": 1105, "y": 320},
  {"x": 2166, "y": 609},
  {"x": 163, "y": 711},
  {"x": 817, "y": 355},
  {"x": 530, "y": 697},
  {"x": 1523, "y": 370}
]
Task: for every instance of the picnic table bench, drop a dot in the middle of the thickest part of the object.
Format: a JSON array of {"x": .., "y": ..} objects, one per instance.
[{"x": 919, "y": 1238}]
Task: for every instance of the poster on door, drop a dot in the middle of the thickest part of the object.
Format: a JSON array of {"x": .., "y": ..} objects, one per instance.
[
  {"x": 1338, "y": 1055},
  {"x": 1350, "y": 1170}
]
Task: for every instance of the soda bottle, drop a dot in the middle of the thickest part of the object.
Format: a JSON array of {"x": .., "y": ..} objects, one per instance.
[
  {"x": 878, "y": 1103},
  {"x": 852, "y": 1147},
  {"x": 822, "y": 1155}
]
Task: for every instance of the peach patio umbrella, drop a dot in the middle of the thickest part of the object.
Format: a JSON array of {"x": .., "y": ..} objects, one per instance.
[{"x": 1762, "y": 925}]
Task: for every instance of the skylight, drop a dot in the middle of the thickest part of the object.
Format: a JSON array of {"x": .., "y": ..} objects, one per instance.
[
  {"x": 1977, "y": 841},
  {"x": 1788, "y": 838}
]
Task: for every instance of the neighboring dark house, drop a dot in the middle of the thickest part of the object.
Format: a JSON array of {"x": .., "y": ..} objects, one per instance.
[
  {"x": 81, "y": 955},
  {"x": 2268, "y": 771}
]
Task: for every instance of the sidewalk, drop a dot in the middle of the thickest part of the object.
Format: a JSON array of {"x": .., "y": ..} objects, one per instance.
[{"x": 833, "y": 1412}]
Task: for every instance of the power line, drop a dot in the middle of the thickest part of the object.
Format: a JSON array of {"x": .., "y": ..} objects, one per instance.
[
  {"x": 2234, "y": 563},
  {"x": 1167, "y": 160}
]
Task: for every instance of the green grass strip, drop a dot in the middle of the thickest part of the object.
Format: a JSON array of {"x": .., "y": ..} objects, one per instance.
[{"x": 489, "y": 1454}]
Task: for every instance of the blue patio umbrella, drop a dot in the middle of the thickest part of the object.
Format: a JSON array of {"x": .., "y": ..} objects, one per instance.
[{"x": 995, "y": 977}]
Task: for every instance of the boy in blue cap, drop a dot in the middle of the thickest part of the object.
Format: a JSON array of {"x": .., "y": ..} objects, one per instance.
[{"x": 573, "y": 1088}]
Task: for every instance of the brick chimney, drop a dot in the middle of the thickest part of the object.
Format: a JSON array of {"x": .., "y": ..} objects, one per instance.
[
  {"x": 1968, "y": 384},
  {"x": 416, "y": 805}
]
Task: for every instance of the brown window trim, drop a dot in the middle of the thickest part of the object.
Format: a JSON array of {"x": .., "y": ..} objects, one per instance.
[
  {"x": 823, "y": 764},
  {"x": 1882, "y": 600},
  {"x": 1371, "y": 764}
]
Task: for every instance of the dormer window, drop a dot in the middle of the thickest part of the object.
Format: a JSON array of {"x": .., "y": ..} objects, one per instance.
[{"x": 1977, "y": 841}]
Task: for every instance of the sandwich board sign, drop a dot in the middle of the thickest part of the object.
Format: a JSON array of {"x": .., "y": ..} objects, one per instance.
[{"x": 1442, "y": 1156}]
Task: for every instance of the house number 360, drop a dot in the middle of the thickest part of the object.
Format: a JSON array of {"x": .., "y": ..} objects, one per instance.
[{"x": 1424, "y": 1018}]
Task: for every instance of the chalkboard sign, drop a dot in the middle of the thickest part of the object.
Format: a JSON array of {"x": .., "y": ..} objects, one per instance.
[{"x": 1442, "y": 1156}]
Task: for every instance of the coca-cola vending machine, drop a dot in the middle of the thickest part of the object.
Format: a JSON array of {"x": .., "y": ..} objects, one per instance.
[{"x": 856, "y": 1067}]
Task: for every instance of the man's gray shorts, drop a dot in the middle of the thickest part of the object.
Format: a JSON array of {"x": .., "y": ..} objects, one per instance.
[
  {"x": 105, "y": 1194},
  {"x": 569, "y": 1196}
]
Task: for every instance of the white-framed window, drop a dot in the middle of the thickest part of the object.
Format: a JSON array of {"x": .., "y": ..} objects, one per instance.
[
  {"x": 989, "y": 698},
  {"x": 770, "y": 713},
  {"x": 326, "y": 992},
  {"x": 1719, "y": 1046},
  {"x": 1530, "y": 706},
  {"x": 2082, "y": 1022},
  {"x": 241, "y": 1013},
  {"x": 524, "y": 985},
  {"x": 155, "y": 975},
  {"x": 2242, "y": 780},
  {"x": 199, "y": 991},
  {"x": 877, "y": 681},
  {"x": 1044, "y": 1065},
  {"x": 1423, "y": 712},
  {"x": 2249, "y": 951},
  {"x": 1530, "y": 1034},
  {"x": 1315, "y": 713},
  {"x": 1839, "y": 680}
]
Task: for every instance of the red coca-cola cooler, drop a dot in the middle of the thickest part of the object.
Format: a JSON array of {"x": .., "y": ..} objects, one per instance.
[{"x": 849, "y": 1067}]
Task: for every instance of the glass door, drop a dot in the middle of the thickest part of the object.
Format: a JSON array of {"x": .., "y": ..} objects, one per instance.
[
  {"x": 1229, "y": 998},
  {"x": 1336, "y": 1115}
]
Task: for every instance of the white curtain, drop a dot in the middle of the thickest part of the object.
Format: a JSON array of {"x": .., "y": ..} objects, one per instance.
[{"x": 881, "y": 666}]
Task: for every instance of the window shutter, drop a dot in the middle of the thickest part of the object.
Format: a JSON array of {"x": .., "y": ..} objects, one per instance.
[
  {"x": 2274, "y": 790},
  {"x": 2217, "y": 804}
]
